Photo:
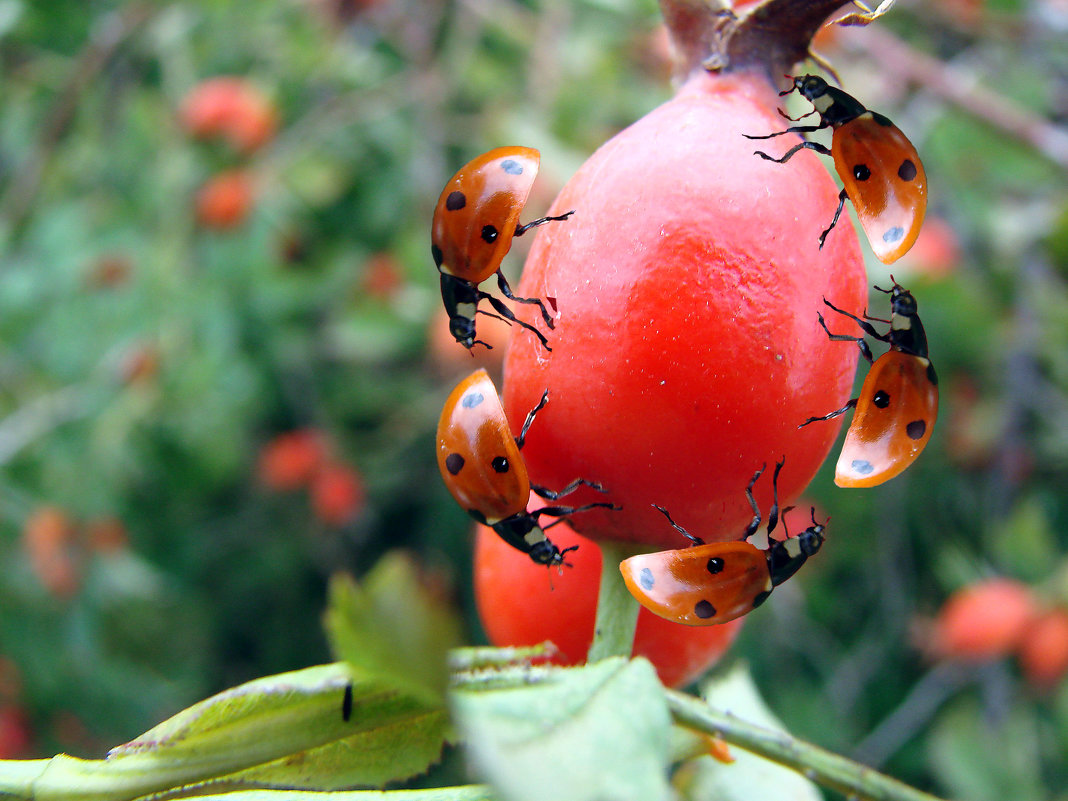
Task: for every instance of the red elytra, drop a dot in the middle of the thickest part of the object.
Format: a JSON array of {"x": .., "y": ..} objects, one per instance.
[
  {"x": 484, "y": 471},
  {"x": 898, "y": 402}
]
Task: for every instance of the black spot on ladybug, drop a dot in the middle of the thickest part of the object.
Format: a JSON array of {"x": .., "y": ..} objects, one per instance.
[
  {"x": 894, "y": 234},
  {"x": 512, "y": 167},
  {"x": 489, "y": 234},
  {"x": 883, "y": 121},
  {"x": 715, "y": 565},
  {"x": 704, "y": 610},
  {"x": 916, "y": 429},
  {"x": 645, "y": 578},
  {"x": 932, "y": 376},
  {"x": 346, "y": 704},
  {"x": 435, "y": 251},
  {"x": 499, "y": 464},
  {"x": 761, "y": 597},
  {"x": 472, "y": 399},
  {"x": 479, "y": 517},
  {"x": 861, "y": 172},
  {"x": 907, "y": 170},
  {"x": 454, "y": 463},
  {"x": 863, "y": 466},
  {"x": 881, "y": 399},
  {"x": 455, "y": 201}
]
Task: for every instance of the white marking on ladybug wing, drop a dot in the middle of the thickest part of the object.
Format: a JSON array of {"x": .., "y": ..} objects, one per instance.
[
  {"x": 793, "y": 547},
  {"x": 901, "y": 322},
  {"x": 822, "y": 103},
  {"x": 466, "y": 310}
]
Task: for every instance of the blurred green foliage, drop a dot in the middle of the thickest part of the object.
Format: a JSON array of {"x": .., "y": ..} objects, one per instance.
[{"x": 145, "y": 359}]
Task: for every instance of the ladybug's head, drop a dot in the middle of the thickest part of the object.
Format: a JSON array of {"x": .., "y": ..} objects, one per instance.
[
  {"x": 463, "y": 331},
  {"x": 545, "y": 553},
  {"x": 901, "y": 300},
  {"x": 811, "y": 539},
  {"x": 809, "y": 86}
]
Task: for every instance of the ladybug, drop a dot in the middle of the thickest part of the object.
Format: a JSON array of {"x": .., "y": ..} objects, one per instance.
[
  {"x": 480, "y": 462},
  {"x": 707, "y": 584},
  {"x": 474, "y": 222},
  {"x": 881, "y": 171},
  {"x": 898, "y": 403}
]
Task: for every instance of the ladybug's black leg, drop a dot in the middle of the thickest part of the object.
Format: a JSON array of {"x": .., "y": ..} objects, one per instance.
[
  {"x": 792, "y": 129},
  {"x": 565, "y": 511},
  {"x": 773, "y": 512},
  {"x": 494, "y": 316},
  {"x": 551, "y": 495},
  {"x": 530, "y": 419},
  {"x": 785, "y": 157},
  {"x": 865, "y": 326},
  {"x": 754, "y": 524},
  {"x": 506, "y": 290},
  {"x": 505, "y": 312},
  {"x": 852, "y": 404},
  {"x": 785, "y": 530},
  {"x": 865, "y": 349},
  {"x": 522, "y": 229},
  {"x": 842, "y": 197},
  {"x": 786, "y": 116},
  {"x": 693, "y": 540}
]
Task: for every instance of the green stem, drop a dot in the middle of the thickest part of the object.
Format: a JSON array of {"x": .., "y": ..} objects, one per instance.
[
  {"x": 617, "y": 611},
  {"x": 831, "y": 770}
]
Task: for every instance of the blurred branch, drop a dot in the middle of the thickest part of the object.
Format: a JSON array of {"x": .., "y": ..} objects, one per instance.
[
  {"x": 108, "y": 34},
  {"x": 815, "y": 763},
  {"x": 963, "y": 89},
  {"x": 38, "y": 417},
  {"x": 912, "y": 714}
]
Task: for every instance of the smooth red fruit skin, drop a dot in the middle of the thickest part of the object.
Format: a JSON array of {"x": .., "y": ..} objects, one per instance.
[
  {"x": 521, "y": 603},
  {"x": 687, "y": 348}
]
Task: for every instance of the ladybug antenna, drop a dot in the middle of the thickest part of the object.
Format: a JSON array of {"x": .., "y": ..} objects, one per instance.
[{"x": 486, "y": 345}]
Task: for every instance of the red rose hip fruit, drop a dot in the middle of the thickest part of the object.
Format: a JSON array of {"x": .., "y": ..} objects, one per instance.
[{"x": 687, "y": 348}]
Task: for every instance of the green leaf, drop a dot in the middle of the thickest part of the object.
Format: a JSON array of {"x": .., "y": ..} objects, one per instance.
[
  {"x": 392, "y": 628},
  {"x": 393, "y": 752},
  {"x": 596, "y": 732},
  {"x": 749, "y": 776},
  {"x": 248, "y": 725},
  {"x": 472, "y": 792}
]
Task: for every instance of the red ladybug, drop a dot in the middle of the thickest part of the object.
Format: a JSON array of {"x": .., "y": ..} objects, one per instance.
[
  {"x": 474, "y": 222},
  {"x": 480, "y": 462},
  {"x": 882, "y": 172},
  {"x": 707, "y": 584},
  {"x": 898, "y": 403}
]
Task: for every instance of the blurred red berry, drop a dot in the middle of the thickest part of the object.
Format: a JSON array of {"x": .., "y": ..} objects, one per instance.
[
  {"x": 337, "y": 494},
  {"x": 291, "y": 460},
  {"x": 48, "y": 537},
  {"x": 106, "y": 535},
  {"x": 14, "y": 733},
  {"x": 1044, "y": 649},
  {"x": 982, "y": 621},
  {"x": 224, "y": 201},
  {"x": 232, "y": 108},
  {"x": 109, "y": 270},
  {"x": 139, "y": 364},
  {"x": 382, "y": 276}
]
